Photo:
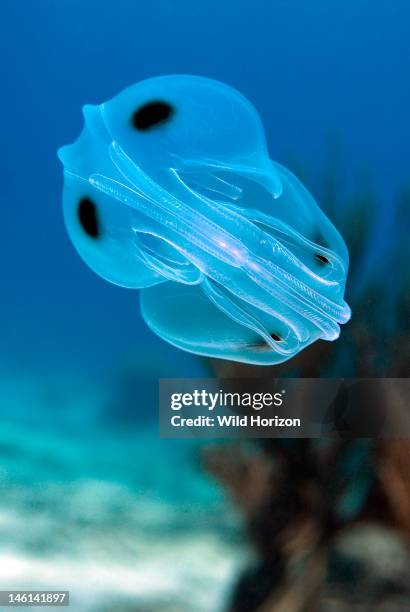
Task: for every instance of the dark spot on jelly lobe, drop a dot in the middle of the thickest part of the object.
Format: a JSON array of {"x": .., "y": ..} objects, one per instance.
[
  {"x": 261, "y": 344},
  {"x": 322, "y": 259},
  {"x": 152, "y": 114},
  {"x": 87, "y": 215}
]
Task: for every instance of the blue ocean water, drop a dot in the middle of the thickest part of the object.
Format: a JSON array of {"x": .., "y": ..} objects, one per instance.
[
  {"x": 309, "y": 68},
  {"x": 317, "y": 72}
]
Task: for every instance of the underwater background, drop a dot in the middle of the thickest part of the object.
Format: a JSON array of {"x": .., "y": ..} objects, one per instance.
[{"x": 91, "y": 499}]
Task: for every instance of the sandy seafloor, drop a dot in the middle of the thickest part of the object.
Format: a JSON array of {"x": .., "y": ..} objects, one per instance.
[{"x": 121, "y": 518}]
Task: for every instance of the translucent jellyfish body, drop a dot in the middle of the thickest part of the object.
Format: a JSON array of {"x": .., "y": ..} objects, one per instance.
[{"x": 170, "y": 189}]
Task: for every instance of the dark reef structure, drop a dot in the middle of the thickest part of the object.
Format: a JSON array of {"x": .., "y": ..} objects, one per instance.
[{"x": 302, "y": 498}]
